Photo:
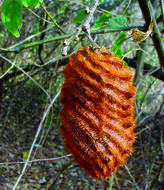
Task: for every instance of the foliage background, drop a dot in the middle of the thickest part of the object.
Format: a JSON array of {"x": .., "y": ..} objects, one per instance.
[{"x": 28, "y": 87}]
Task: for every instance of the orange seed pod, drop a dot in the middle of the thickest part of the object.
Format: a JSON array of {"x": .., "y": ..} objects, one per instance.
[{"x": 98, "y": 111}]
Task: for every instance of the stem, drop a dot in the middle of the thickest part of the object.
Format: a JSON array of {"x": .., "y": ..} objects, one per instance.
[
  {"x": 155, "y": 179},
  {"x": 140, "y": 62},
  {"x": 53, "y": 185},
  {"x": 162, "y": 10},
  {"x": 55, "y": 23},
  {"x": 111, "y": 182}
]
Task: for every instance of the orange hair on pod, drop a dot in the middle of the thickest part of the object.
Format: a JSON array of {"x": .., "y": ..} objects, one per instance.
[{"x": 98, "y": 111}]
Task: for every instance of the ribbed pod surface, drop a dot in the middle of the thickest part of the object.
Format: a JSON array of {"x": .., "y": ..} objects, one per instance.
[{"x": 98, "y": 111}]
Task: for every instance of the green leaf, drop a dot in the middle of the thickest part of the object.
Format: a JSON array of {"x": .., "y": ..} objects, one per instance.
[
  {"x": 121, "y": 38},
  {"x": 38, "y": 5},
  {"x": 12, "y": 15},
  {"x": 117, "y": 51},
  {"x": 125, "y": 64},
  {"x": 25, "y": 155},
  {"x": 31, "y": 3},
  {"x": 117, "y": 22},
  {"x": 102, "y": 21},
  {"x": 130, "y": 49},
  {"x": 116, "y": 47},
  {"x": 1, "y": 35},
  {"x": 79, "y": 17}
]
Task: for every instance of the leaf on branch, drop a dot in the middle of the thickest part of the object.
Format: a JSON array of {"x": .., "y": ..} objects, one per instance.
[
  {"x": 12, "y": 15},
  {"x": 116, "y": 47},
  {"x": 117, "y": 22},
  {"x": 138, "y": 35},
  {"x": 106, "y": 21},
  {"x": 31, "y": 3},
  {"x": 79, "y": 17}
]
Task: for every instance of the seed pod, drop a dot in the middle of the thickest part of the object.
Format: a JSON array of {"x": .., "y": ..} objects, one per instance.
[{"x": 98, "y": 111}]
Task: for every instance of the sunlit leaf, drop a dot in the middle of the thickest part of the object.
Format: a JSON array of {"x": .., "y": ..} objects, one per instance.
[
  {"x": 31, "y": 3},
  {"x": 116, "y": 47},
  {"x": 117, "y": 51},
  {"x": 79, "y": 17},
  {"x": 117, "y": 22},
  {"x": 130, "y": 48},
  {"x": 121, "y": 38},
  {"x": 102, "y": 21},
  {"x": 12, "y": 15},
  {"x": 25, "y": 155},
  {"x": 1, "y": 35}
]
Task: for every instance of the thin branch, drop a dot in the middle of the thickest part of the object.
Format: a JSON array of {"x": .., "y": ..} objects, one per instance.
[
  {"x": 147, "y": 68},
  {"x": 143, "y": 99},
  {"x": 38, "y": 15},
  {"x": 53, "y": 185},
  {"x": 20, "y": 47},
  {"x": 10, "y": 68},
  {"x": 148, "y": 120},
  {"x": 22, "y": 71},
  {"x": 30, "y": 37},
  {"x": 35, "y": 139},
  {"x": 38, "y": 160},
  {"x": 160, "y": 108},
  {"x": 156, "y": 177},
  {"x": 127, "y": 169},
  {"x": 55, "y": 23}
]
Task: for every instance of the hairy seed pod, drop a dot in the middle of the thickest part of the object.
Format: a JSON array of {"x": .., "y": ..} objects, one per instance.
[{"x": 98, "y": 111}]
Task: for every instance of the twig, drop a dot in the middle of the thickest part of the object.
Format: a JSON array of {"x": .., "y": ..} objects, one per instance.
[
  {"x": 160, "y": 108},
  {"x": 155, "y": 179},
  {"x": 38, "y": 15},
  {"x": 147, "y": 69},
  {"x": 22, "y": 71},
  {"x": 10, "y": 68},
  {"x": 30, "y": 37},
  {"x": 38, "y": 160},
  {"x": 126, "y": 7},
  {"x": 150, "y": 85},
  {"x": 52, "y": 186},
  {"x": 35, "y": 139},
  {"x": 55, "y": 23},
  {"x": 127, "y": 169}
]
